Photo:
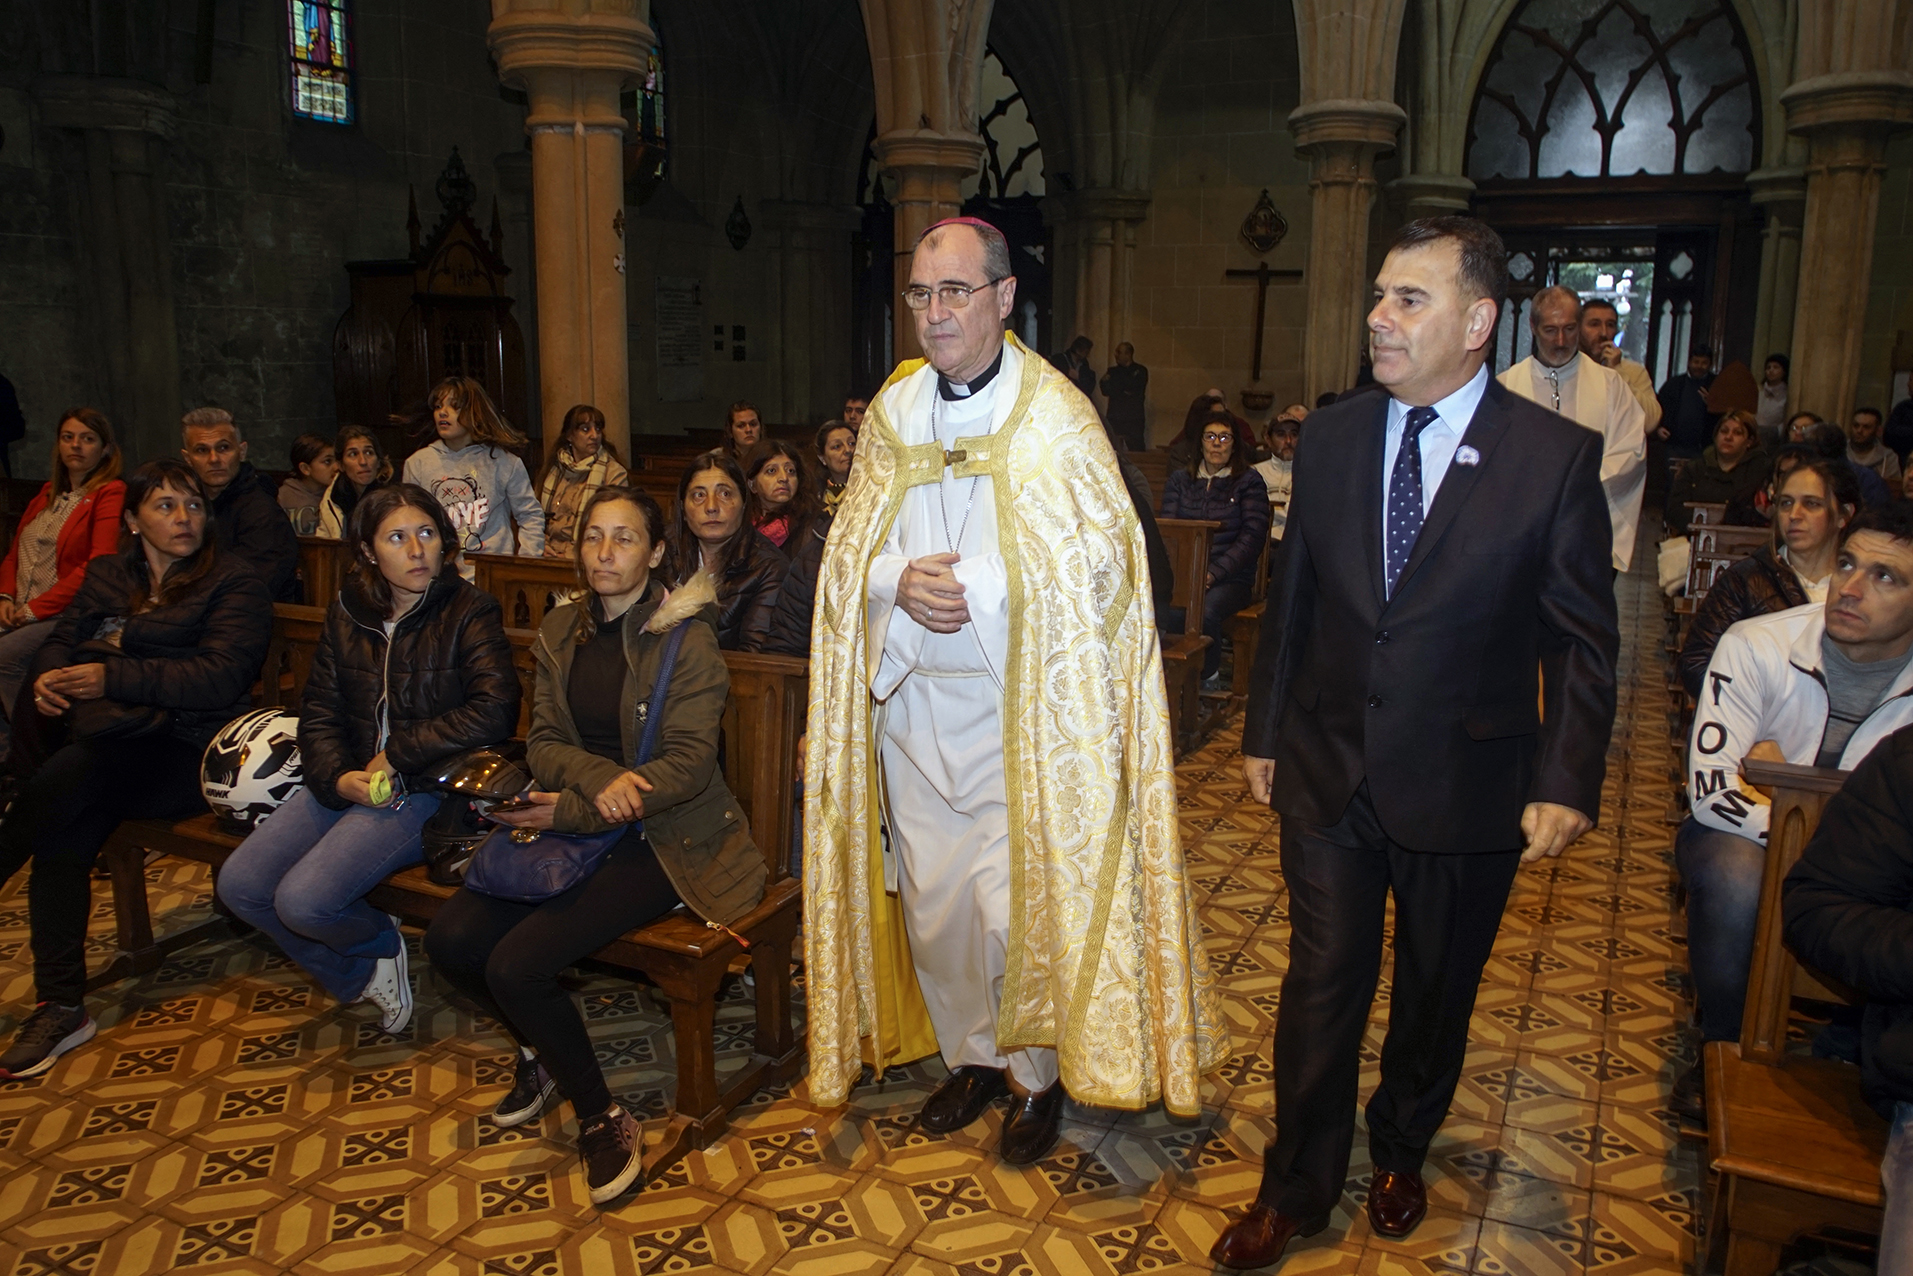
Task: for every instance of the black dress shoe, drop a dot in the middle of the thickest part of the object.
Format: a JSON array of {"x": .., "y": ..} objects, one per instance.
[
  {"x": 1259, "y": 1237},
  {"x": 961, "y": 1099},
  {"x": 1396, "y": 1202},
  {"x": 1030, "y": 1132}
]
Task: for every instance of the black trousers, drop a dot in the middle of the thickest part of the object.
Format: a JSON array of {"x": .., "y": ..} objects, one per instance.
[
  {"x": 1447, "y": 909},
  {"x": 507, "y": 957},
  {"x": 59, "y": 821}
]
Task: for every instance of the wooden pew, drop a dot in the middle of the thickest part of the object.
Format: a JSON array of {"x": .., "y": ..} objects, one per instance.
[
  {"x": 526, "y": 588},
  {"x": 1794, "y": 1145},
  {"x": 1188, "y": 541},
  {"x": 1245, "y": 632},
  {"x": 319, "y": 569},
  {"x": 685, "y": 959}
]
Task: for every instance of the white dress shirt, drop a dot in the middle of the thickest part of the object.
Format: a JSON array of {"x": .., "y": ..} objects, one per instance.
[{"x": 1438, "y": 440}]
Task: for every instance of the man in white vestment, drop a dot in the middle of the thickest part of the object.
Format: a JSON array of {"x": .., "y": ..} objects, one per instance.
[
  {"x": 984, "y": 608},
  {"x": 1559, "y": 377}
]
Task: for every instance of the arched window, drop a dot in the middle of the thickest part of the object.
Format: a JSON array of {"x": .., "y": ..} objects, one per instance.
[
  {"x": 1012, "y": 157},
  {"x": 1581, "y": 89},
  {"x": 319, "y": 42},
  {"x": 647, "y": 147}
]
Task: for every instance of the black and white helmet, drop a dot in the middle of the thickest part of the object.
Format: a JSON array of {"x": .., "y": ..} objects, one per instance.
[{"x": 251, "y": 767}]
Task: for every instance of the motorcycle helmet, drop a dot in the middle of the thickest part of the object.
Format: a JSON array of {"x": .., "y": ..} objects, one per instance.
[
  {"x": 471, "y": 784},
  {"x": 250, "y": 768}
]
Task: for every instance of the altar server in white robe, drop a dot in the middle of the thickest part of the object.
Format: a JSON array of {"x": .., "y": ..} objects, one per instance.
[{"x": 1558, "y": 376}]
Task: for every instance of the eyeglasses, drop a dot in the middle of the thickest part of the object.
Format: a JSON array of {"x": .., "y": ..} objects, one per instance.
[
  {"x": 953, "y": 296},
  {"x": 1218, "y": 438}
]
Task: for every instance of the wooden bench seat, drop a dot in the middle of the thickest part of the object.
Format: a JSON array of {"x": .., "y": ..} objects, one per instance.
[
  {"x": 1188, "y": 541},
  {"x": 685, "y": 959}
]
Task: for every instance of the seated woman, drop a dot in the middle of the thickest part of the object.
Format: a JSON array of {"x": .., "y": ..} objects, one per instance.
[
  {"x": 713, "y": 536},
  {"x": 783, "y": 500},
  {"x": 1812, "y": 504},
  {"x": 1186, "y": 448},
  {"x": 1221, "y": 484},
  {"x": 597, "y": 667},
  {"x": 413, "y": 666},
  {"x": 73, "y": 519},
  {"x": 836, "y": 449},
  {"x": 315, "y": 463},
  {"x": 362, "y": 467},
  {"x": 1731, "y": 470},
  {"x": 584, "y": 462},
  {"x": 157, "y": 651}
]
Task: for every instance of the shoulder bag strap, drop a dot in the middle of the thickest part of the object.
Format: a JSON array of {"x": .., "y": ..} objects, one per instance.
[{"x": 655, "y": 714}]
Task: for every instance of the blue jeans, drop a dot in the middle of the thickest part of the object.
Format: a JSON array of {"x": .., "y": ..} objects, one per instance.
[
  {"x": 1722, "y": 872},
  {"x": 301, "y": 877},
  {"x": 1896, "y": 1176}
]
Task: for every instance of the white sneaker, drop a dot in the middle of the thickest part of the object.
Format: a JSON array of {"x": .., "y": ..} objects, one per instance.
[{"x": 390, "y": 989}]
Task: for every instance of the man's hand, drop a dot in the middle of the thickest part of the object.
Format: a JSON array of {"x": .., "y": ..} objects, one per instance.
[
  {"x": 1662, "y": 433},
  {"x": 1550, "y": 829},
  {"x": 928, "y": 591},
  {"x": 1260, "y": 773},
  {"x": 1609, "y": 355}
]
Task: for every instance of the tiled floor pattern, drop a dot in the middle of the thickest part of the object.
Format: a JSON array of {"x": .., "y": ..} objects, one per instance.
[{"x": 228, "y": 1118}]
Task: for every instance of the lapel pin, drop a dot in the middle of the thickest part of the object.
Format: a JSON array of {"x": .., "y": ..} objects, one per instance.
[{"x": 1466, "y": 455}]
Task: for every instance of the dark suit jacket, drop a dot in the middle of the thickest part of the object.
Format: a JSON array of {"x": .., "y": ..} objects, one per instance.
[{"x": 1431, "y": 695}]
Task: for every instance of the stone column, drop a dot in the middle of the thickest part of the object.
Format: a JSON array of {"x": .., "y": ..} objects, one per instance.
[
  {"x": 126, "y": 124},
  {"x": 1096, "y": 231},
  {"x": 1846, "y": 118},
  {"x": 521, "y": 250},
  {"x": 1341, "y": 140},
  {"x": 930, "y": 168},
  {"x": 572, "y": 65},
  {"x": 1782, "y": 192},
  {"x": 813, "y": 306},
  {"x": 1434, "y": 194}
]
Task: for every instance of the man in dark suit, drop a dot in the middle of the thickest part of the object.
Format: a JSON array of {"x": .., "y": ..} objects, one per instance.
[{"x": 1448, "y": 542}]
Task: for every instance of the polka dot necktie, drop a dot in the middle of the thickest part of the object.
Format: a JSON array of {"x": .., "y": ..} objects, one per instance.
[{"x": 1404, "y": 494}]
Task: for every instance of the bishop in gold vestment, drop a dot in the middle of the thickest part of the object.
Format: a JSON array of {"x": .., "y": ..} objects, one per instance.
[{"x": 986, "y": 687}]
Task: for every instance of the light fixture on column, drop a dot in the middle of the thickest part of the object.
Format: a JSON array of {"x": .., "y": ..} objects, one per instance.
[{"x": 737, "y": 227}]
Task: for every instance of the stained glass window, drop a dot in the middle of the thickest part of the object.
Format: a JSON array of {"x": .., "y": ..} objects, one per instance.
[
  {"x": 646, "y": 146},
  {"x": 1614, "y": 88},
  {"x": 1012, "y": 156},
  {"x": 320, "y": 34}
]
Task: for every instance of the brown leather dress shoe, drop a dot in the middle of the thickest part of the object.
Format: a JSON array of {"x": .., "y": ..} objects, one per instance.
[
  {"x": 1259, "y": 1237},
  {"x": 1030, "y": 1132},
  {"x": 961, "y": 1099},
  {"x": 1396, "y": 1202}
]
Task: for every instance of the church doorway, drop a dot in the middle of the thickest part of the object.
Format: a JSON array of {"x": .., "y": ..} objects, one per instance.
[{"x": 1609, "y": 145}]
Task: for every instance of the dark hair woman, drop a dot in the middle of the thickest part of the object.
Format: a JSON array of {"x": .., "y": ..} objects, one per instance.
[
  {"x": 713, "y": 535},
  {"x": 73, "y": 519},
  {"x": 157, "y": 651},
  {"x": 583, "y": 463},
  {"x": 1221, "y": 484},
  {"x": 413, "y": 666},
  {"x": 1187, "y": 445},
  {"x": 783, "y": 497},
  {"x": 836, "y": 449},
  {"x": 1813, "y": 503},
  {"x": 315, "y": 463},
  {"x": 597, "y": 667},
  {"x": 362, "y": 467}
]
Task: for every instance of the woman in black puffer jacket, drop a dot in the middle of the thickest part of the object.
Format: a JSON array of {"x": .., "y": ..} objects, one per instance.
[
  {"x": 713, "y": 535},
  {"x": 413, "y": 667},
  {"x": 1222, "y": 484},
  {"x": 1812, "y": 504},
  {"x": 154, "y": 654}
]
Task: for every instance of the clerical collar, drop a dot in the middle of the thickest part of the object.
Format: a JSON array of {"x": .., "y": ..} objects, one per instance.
[{"x": 950, "y": 391}]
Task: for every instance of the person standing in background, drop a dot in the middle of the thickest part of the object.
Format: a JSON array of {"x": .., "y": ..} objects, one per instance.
[
  {"x": 1600, "y": 325},
  {"x": 473, "y": 473},
  {"x": 1770, "y": 411},
  {"x": 1687, "y": 421},
  {"x": 1074, "y": 364},
  {"x": 1125, "y": 384}
]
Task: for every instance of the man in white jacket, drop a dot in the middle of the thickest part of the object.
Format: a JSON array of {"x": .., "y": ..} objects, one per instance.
[
  {"x": 1817, "y": 685},
  {"x": 1559, "y": 377}
]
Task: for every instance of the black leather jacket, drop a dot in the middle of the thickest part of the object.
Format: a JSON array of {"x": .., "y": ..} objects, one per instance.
[
  {"x": 444, "y": 683},
  {"x": 1755, "y": 586},
  {"x": 197, "y": 655},
  {"x": 797, "y": 597},
  {"x": 746, "y": 592}
]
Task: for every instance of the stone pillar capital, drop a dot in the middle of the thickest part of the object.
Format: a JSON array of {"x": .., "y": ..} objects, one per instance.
[
  {"x": 1879, "y": 102},
  {"x": 1343, "y": 125},
  {"x": 1782, "y": 192},
  {"x": 572, "y": 66},
  {"x": 927, "y": 149},
  {"x": 106, "y": 102},
  {"x": 1433, "y": 194}
]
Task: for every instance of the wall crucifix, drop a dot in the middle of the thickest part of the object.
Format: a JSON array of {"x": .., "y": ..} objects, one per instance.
[{"x": 1263, "y": 276}]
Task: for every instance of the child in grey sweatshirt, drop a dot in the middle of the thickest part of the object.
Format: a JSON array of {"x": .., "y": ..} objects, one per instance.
[{"x": 482, "y": 485}]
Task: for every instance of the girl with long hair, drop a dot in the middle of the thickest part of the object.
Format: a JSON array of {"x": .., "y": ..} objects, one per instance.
[{"x": 472, "y": 469}]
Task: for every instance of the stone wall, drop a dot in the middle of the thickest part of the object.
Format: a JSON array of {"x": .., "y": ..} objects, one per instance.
[
  {"x": 1221, "y": 138},
  {"x": 1888, "y": 342}
]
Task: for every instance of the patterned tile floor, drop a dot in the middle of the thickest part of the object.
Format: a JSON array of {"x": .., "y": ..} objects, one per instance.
[{"x": 228, "y": 1118}]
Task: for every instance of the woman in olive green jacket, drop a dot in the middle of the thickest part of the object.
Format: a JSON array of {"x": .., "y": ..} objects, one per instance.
[{"x": 597, "y": 666}]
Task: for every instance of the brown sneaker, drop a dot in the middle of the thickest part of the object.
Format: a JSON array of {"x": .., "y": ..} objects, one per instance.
[{"x": 611, "y": 1145}]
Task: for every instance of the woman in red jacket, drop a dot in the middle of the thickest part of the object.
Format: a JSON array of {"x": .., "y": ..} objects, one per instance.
[{"x": 75, "y": 518}]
